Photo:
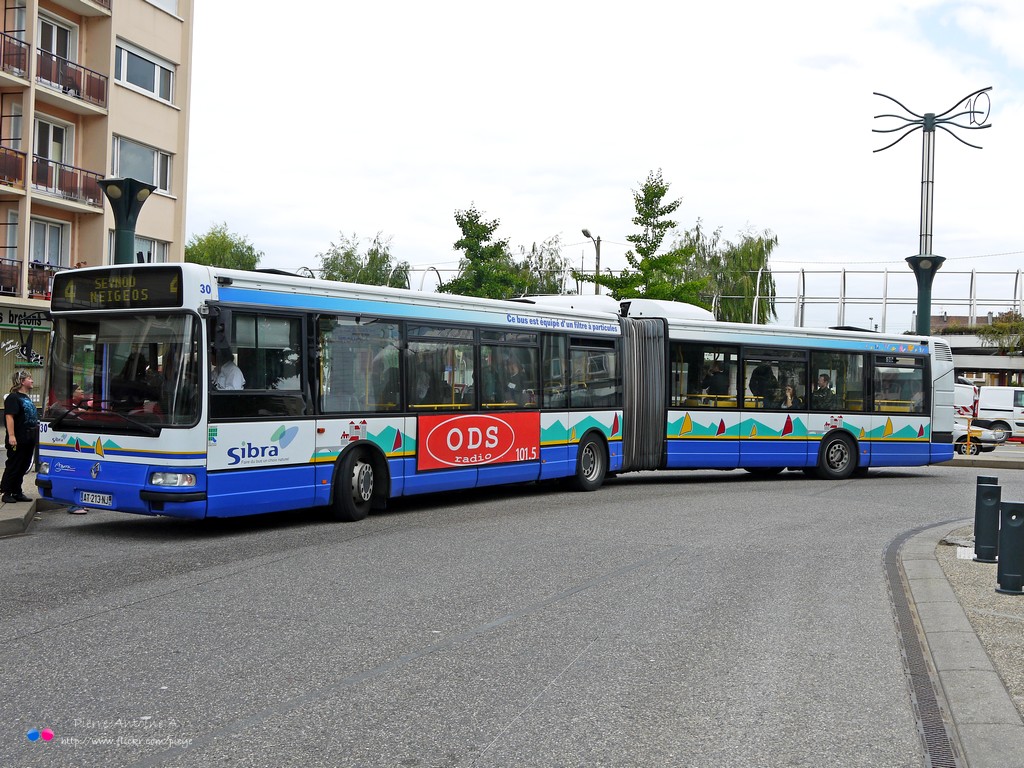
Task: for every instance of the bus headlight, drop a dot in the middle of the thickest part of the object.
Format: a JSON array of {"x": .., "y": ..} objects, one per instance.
[
  {"x": 173, "y": 479},
  {"x": 43, "y": 468}
]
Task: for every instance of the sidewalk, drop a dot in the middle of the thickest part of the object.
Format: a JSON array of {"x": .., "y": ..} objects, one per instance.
[{"x": 15, "y": 519}]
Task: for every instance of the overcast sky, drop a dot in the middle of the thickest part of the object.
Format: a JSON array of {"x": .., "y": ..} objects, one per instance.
[{"x": 388, "y": 117}]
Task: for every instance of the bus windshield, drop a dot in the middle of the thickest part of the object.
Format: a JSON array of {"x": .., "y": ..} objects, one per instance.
[{"x": 124, "y": 372}]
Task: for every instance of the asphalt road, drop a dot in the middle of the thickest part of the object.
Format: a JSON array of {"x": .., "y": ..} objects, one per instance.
[{"x": 696, "y": 619}]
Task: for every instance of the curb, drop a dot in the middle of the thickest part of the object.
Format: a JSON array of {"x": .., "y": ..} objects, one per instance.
[
  {"x": 989, "y": 727},
  {"x": 16, "y": 523}
]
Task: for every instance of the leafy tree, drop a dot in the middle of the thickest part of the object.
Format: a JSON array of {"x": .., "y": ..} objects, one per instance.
[
  {"x": 699, "y": 267},
  {"x": 1005, "y": 332},
  {"x": 733, "y": 273},
  {"x": 486, "y": 269},
  {"x": 650, "y": 274},
  {"x": 376, "y": 266},
  {"x": 220, "y": 248},
  {"x": 543, "y": 268}
]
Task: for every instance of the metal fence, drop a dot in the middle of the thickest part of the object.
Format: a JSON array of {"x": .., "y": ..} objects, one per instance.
[{"x": 884, "y": 300}]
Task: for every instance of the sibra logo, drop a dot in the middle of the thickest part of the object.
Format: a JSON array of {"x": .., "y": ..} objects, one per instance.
[{"x": 281, "y": 438}]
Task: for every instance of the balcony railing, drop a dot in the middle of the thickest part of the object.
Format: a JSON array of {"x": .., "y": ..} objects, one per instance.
[
  {"x": 13, "y": 55},
  {"x": 67, "y": 181},
  {"x": 12, "y": 167},
  {"x": 40, "y": 278},
  {"x": 73, "y": 79}
]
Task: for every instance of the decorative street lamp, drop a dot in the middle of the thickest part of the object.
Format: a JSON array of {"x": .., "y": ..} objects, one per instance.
[
  {"x": 126, "y": 197},
  {"x": 597, "y": 263},
  {"x": 975, "y": 108}
]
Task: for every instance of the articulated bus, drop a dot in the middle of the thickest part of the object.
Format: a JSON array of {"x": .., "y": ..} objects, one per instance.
[{"x": 347, "y": 395}]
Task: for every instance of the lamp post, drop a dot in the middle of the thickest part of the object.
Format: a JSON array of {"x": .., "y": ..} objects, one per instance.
[
  {"x": 126, "y": 197},
  {"x": 975, "y": 107},
  {"x": 597, "y": 262}
]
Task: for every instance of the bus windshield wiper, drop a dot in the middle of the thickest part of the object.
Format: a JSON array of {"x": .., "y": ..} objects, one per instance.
[{"x": 148, "y": 428}]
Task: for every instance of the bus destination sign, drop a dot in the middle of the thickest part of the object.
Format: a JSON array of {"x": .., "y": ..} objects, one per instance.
[{"x": 148, "y": 288}]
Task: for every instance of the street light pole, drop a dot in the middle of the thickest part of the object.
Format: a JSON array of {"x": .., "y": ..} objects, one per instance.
[
  {"x": 975, "y": 107},
  {"x": 597, "y": 262},
  {"x": 126, "y": 197}
]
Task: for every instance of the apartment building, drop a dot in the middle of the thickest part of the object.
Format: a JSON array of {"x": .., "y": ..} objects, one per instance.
[{"x": 89, "y": 89}]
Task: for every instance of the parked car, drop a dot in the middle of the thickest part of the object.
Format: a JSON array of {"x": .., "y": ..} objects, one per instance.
[{"x": 982, "y": 438}]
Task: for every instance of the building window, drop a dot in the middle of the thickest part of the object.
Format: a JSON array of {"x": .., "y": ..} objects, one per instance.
[
  {"x": 49, "y": 244},
  {"x": 171, "y": 6},
  {"x": 134, "y": 67},
  {"x": 140, "y": 162},
  {"x": 147, "y": 250},
  {"x": 56, "y": 38}
]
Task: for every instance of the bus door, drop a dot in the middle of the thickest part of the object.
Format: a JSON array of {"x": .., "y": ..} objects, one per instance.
[
  {"x": 773, "y": 429},
  {"x": 262, "y": 438},
  {"x": 901, "y": 429}
]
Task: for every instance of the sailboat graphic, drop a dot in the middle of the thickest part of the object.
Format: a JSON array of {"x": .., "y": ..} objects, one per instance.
[{"x": 687, "y": 427}]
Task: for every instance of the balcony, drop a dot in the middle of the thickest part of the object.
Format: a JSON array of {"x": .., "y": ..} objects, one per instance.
[
  {"x": 13, "y": 56},
  {"x": 86, "y": 7},
  {"x": 12, "y": 167},
  {"x": 40, "y": 278},
  {"x": 67, "y": 183},
  {"x": 77, "y": 84}
]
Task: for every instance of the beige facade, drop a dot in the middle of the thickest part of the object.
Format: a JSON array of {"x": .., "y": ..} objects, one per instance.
[{"x": 89, "y": 89}]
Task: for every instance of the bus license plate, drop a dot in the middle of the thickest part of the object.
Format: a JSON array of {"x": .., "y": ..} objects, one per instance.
[{"x": 97, "y": 499}]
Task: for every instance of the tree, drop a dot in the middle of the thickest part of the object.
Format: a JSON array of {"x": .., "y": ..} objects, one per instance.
[
  {"x": 733, "y": 274},
  {"x": 220, "y": 248},
  {"x": 377, "y": 266},
  {"x": 698, "y": 268},
  {"x": 1005, "y": 332},
  {"x": 486, "y": 269},
  {"x": 650, "y": 274},
  {"x": 543, "y": 268}
]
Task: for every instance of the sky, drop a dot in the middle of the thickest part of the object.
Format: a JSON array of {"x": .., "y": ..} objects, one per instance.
[{"x": 547, "y": 116}]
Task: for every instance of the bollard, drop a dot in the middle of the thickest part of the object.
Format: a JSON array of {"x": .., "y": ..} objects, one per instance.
[
  {"x": 986, "y": 519},
  {"x": 1010, "y": 571}
]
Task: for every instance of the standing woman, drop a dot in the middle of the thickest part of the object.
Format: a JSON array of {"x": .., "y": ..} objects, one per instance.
[{"x": 22, "y": 420}]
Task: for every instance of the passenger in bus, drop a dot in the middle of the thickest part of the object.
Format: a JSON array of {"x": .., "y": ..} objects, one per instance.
[
  {"x": 491, "y": 390},
  {"x": 227, "y": 375},
  {"x": 716, "y": 381},
  {"x": 764, "y": 386},
  {"x": 790, "y": 399},
  {"x": 823, "y": 398},
  {"x": 516, "y": 381},
  {"x": 425, "y": 388},
  {"x": 387, "y": 388}
]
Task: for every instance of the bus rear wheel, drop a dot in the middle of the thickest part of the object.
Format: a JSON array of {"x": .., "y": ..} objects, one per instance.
[
  {"x": 591, "y": 465},
  {"x": 353, "y": 491},
  {"x": 837, "y": 459}
]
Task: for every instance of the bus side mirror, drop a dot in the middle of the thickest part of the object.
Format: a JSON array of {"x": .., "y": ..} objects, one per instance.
[{"x": 221, "y": 322}]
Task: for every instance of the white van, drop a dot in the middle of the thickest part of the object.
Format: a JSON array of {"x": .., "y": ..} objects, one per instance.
[
  {"x": 965, "y": 400},
  {"x": 1003, "y": 407}
]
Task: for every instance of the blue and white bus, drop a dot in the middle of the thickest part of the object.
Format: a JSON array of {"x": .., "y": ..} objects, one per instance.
[{"x": 351, "y": 395}]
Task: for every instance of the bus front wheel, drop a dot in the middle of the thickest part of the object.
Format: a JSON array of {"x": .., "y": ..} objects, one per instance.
[
  {"x": 353, "y": 492},
  {"x": 837, "y": 458},
  {"x": 591, "y": 465}
]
